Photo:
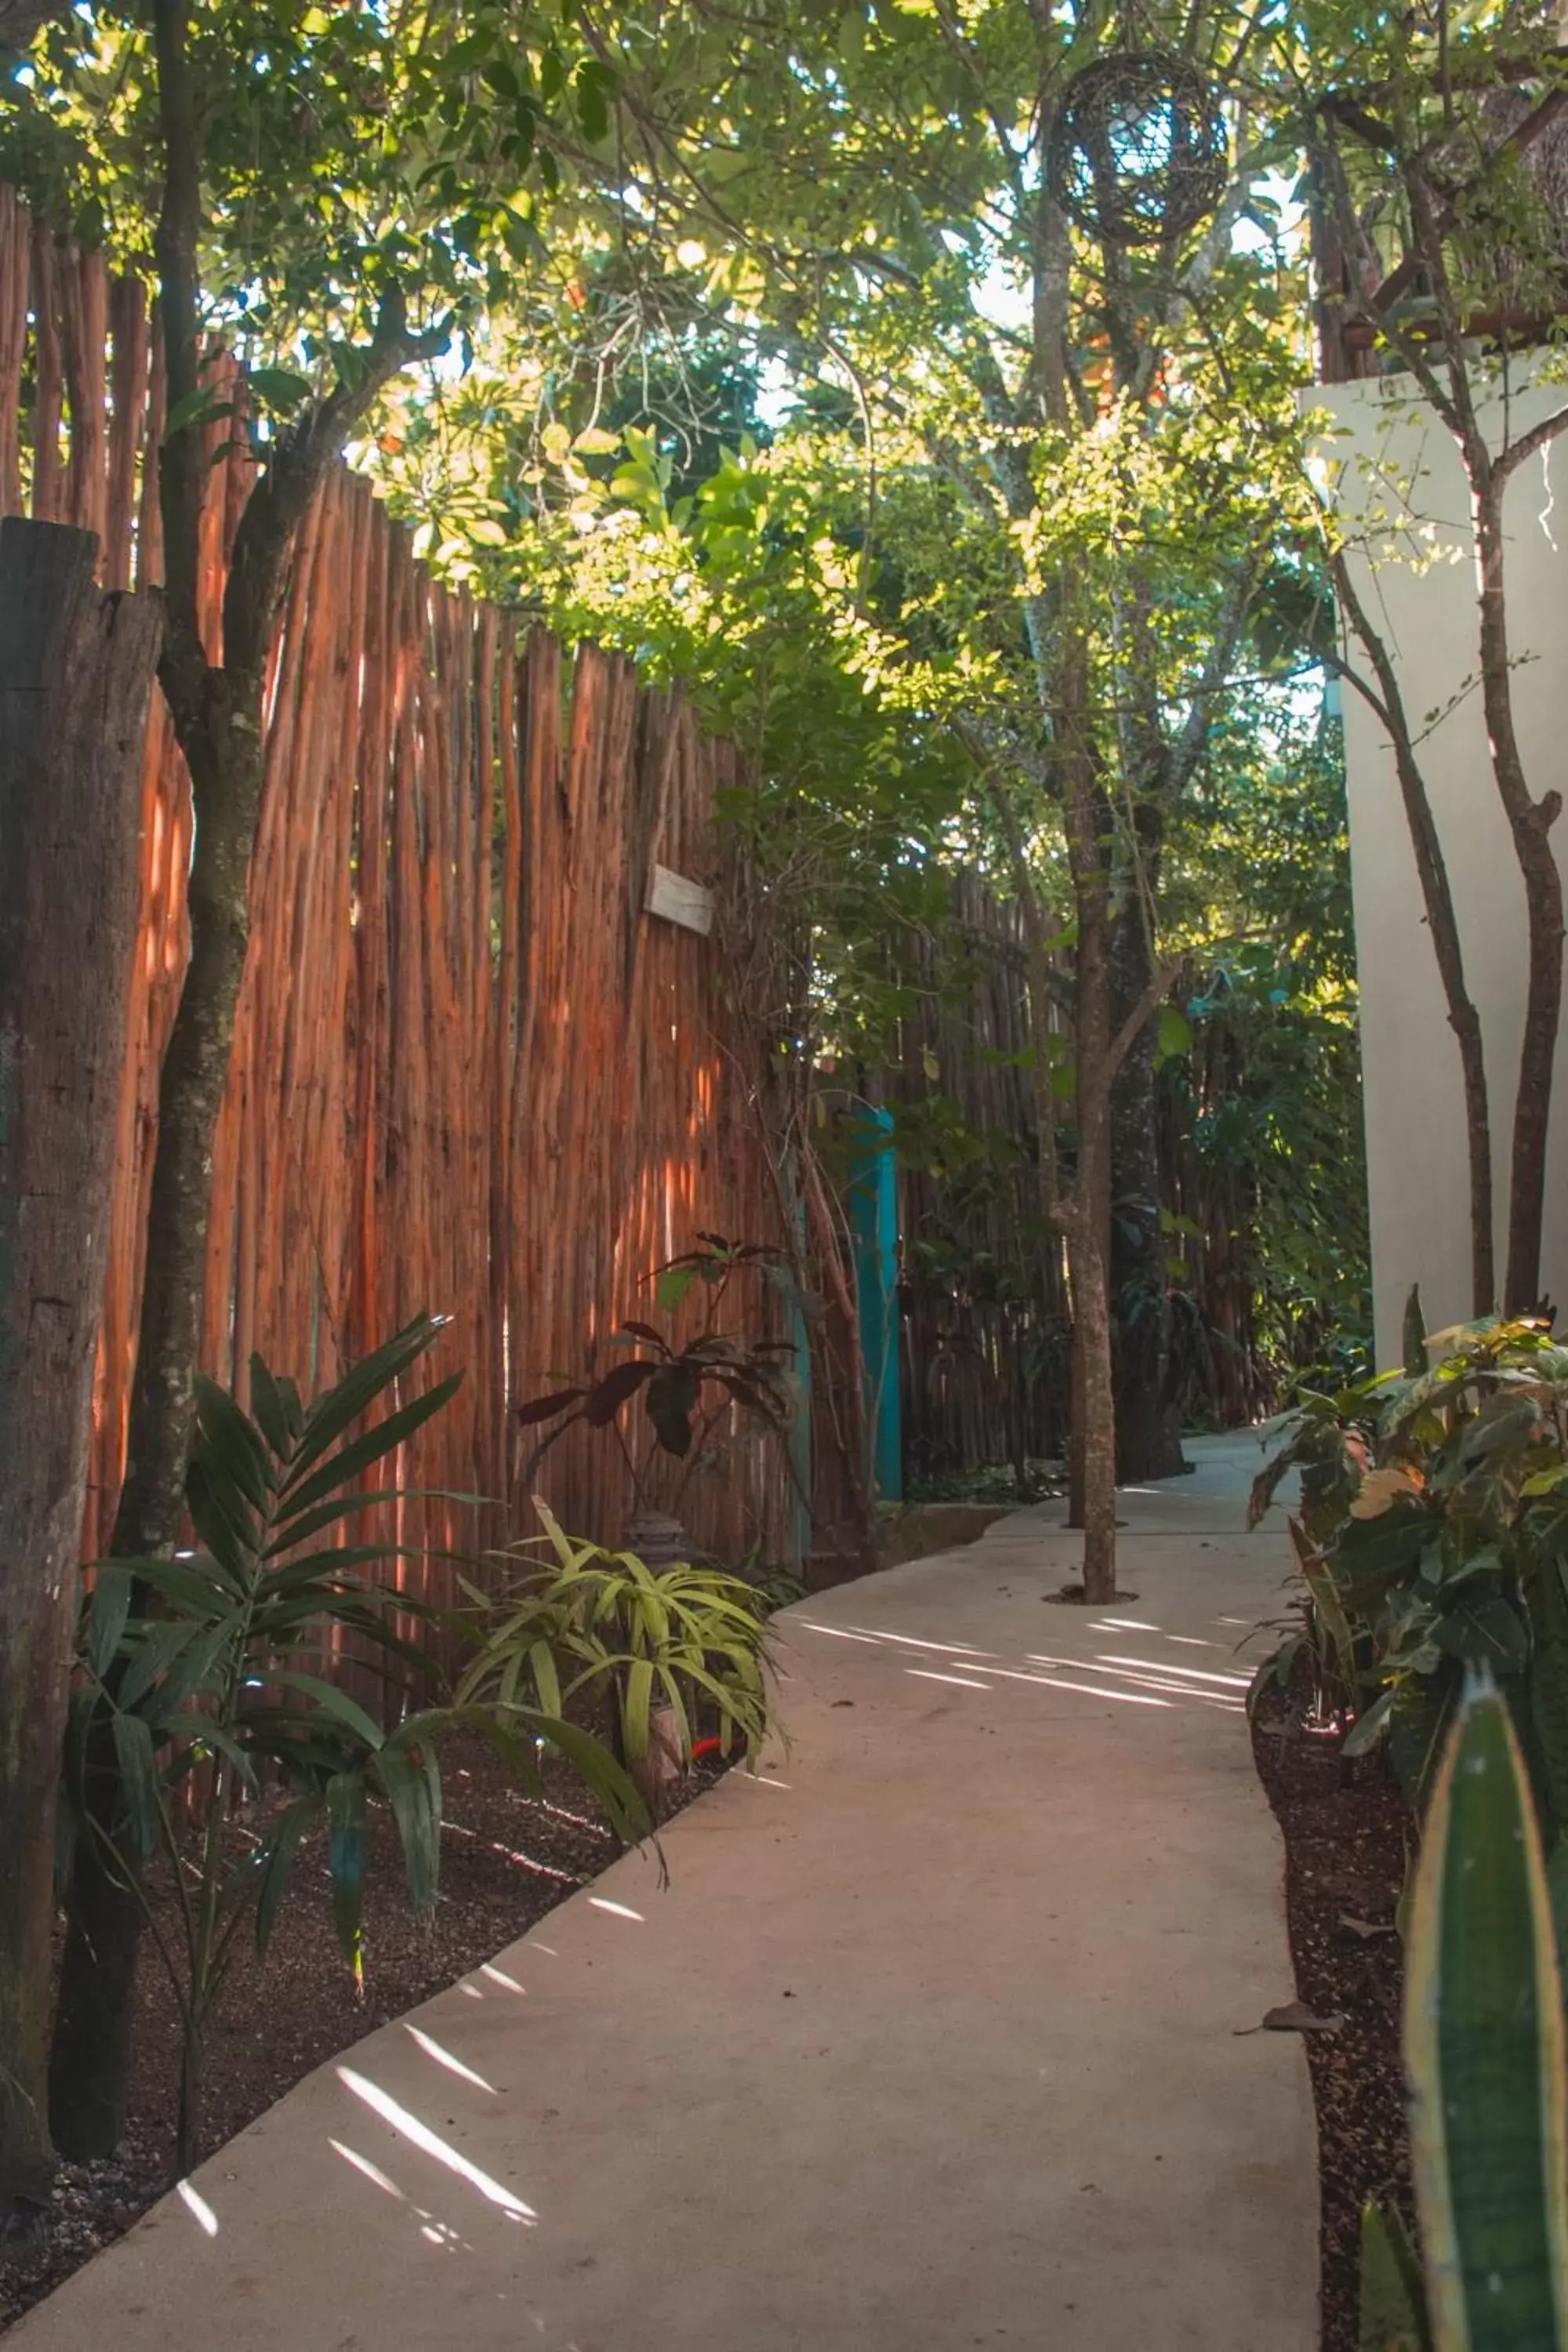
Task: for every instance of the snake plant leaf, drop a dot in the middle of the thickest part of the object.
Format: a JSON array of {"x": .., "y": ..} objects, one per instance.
[
  {"x": 1414, "y": 1336},
  {"x": 1484, "y": 2050},
  {"x": 1392, "y": 2296}
]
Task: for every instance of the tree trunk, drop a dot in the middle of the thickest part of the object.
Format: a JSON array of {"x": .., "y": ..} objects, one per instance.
[
  {"x": 1530, "y": 822},
  {"x": 76, "y": 672},
  {"x": 1442, "y": 922},
  {"x": 217, "y": 717},
  {"x": 90, "y": 2055},
  {"x": 1085, "y": 1217},
  {"x": 88, "y": 2066},
  {"x": 1083, "y": 1220},
  {"x": 1537, "y": 1065},
  {"x": 1091, "y": 1323},
  {"x": 1148, "y": 1425}
]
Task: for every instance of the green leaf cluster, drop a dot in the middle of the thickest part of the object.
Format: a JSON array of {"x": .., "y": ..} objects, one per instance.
[
  {"x": 597, "y": 1624},
  {"x": 211, "y": 1690},
  {"x": 1433, "y": 1538}
]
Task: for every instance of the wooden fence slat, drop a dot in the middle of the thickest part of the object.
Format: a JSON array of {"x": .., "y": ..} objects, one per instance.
[
  {"x": 16, "y": 272},
  {"x": 468, "y": 1073},
  {"x": 48, "y": 384},
  {"x": 127, "y": 425}
]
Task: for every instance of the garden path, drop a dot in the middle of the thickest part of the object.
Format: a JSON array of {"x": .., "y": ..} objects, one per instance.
[{"x": 938, "y": 2036}]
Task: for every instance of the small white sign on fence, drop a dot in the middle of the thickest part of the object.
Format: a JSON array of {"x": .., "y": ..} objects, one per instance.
[{"x": 678, "y": 900}]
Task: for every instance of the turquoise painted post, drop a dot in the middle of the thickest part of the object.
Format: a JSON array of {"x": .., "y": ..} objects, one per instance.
[{"x": 874, "y": 1224}]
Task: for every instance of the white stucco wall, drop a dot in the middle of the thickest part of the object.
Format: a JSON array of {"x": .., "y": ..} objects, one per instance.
[{"x": 1427, "y": 612}]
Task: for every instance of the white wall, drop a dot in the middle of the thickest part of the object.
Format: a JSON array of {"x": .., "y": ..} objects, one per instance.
[{"x": 1400, "y": 468}]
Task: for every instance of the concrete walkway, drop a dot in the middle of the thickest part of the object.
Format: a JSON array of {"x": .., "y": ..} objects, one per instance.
[{"x": 935, "y": 2039}]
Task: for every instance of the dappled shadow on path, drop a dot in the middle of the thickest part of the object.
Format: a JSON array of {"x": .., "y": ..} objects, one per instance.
[{"x": 1140, "y": 1671}]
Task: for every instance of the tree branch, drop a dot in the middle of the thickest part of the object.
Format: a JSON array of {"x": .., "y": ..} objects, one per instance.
[
  {"x": 1184, "y": 753},
  {"x": 299, "y": 463},
  {"x": 1127, "y": 1037},
  {"x": 181, "y": 461},
  {"x": 1539, "y": 436}
]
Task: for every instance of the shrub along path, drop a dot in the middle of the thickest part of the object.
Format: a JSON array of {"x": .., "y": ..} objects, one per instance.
[{"x": 937, "y": 2037}]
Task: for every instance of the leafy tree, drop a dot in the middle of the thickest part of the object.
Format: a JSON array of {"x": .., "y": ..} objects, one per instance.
[
  {"x": 311, "y": 181},
  {"x": 1014, "y": 464},
  {"x": 214, "y": 1669},
  {"x": 1114, "y": 423}
]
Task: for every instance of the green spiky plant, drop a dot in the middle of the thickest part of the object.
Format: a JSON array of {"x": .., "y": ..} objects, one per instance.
[
  {"x": 1484, "y": 2051},
  {"x": 657, "y": 1643},
  {"x": 232, "y": 1739}
]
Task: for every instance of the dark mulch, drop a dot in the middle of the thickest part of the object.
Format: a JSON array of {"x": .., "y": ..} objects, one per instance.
[
  {"x": 1346, "y": 1828},
  {"x": 506, "y": 1861}
]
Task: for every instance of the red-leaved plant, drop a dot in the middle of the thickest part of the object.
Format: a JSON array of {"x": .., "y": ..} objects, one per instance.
[{"x": 685, "y": 1388}]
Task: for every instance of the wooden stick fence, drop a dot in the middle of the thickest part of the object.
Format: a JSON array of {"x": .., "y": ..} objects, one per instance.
[
  {"x": 469, "y": 1072},
  {"x": 984, "y": 1371}
]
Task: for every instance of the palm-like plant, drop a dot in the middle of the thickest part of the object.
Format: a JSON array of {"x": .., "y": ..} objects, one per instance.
[{"x": 215, "y": 1668}]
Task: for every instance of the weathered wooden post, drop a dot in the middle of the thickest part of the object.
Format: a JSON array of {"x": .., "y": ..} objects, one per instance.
[{"x": 75, "y": 670}]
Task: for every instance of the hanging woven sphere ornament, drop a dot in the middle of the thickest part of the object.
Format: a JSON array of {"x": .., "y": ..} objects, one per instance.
[{"x": 1138, "y": 153}]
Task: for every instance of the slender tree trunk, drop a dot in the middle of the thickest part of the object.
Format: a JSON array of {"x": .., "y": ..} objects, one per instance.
[
  {"x": 1148, "y": 1437},
  {"x": 1085, "y": 1217},
  {"x": 76, "y": 672},
  {"x": 1148, "y": 1427},
  {"x": 1448, "y": 385},
  {"x": 1092, "y": 1327},
  {"x": 89, "y": 2061},
  {"x": 1442, "y": 922},
  {"x": 1530, "y": 822},
  {"x": 1076, "y": 1410},
  {"x": 1038, "y": 990}
]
